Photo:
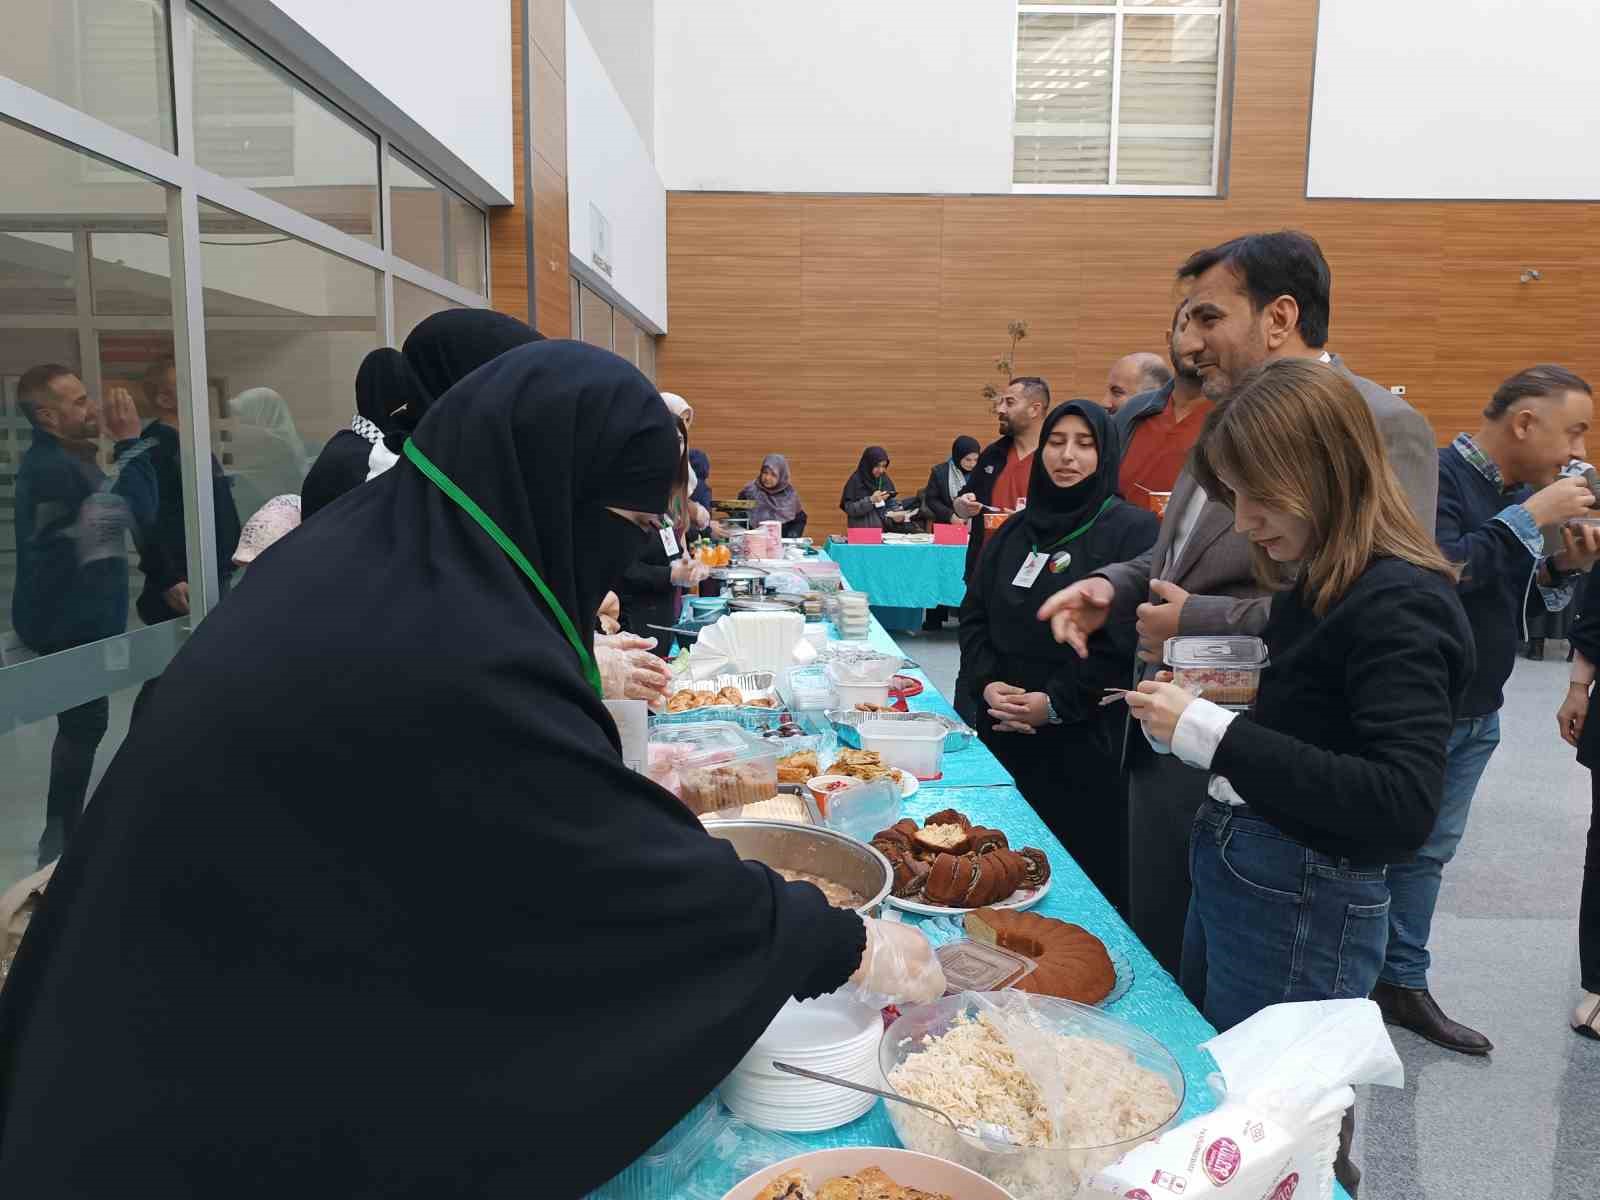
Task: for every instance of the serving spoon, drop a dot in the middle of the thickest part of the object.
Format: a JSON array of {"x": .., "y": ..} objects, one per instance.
[{"x": 987, "y": 1134}]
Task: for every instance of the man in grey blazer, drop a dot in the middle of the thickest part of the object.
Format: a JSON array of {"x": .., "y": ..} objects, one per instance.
[{"x": 1251, "y": 300}]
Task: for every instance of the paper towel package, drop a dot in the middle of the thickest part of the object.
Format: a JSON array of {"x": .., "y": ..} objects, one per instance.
[{"x": 1288, "y": 1072}]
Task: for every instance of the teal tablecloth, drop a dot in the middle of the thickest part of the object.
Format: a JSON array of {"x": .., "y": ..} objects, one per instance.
[
  {"x": 903, "y": 580},
  {"x": 981, "y": 788}
]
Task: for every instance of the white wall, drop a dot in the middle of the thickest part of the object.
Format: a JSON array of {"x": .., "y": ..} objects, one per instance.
[
  {"x": 608, "y": 165},
  {"x": 445, "y": 65},
  {"x": 835, "y": 95},
  {"x": 623, "y": 34},
  {"x": 1457, "y": 99}
]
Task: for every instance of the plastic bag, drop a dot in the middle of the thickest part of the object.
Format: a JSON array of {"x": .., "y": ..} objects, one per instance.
[{"x": 1288, "y": 1072}]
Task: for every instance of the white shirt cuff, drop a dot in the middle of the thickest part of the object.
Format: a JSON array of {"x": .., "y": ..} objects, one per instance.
[{"x": 1200, "y": 732}]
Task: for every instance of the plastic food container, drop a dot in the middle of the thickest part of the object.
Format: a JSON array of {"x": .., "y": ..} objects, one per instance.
[
  {"x": 852, "y": 694},
  {"x": 1038, "y": 1173},
  {"x": 847, "y": 725},
  {"x": 809, "y": 688},
  {"x": 864, "y": 807},
  {"x": 914, "y": 746},
  {"x": 714, "y": 765},
  {"x": 822, "y": 788},
  {"x": 1224, "y": 670},
  {"x": 971, "y": 966}
]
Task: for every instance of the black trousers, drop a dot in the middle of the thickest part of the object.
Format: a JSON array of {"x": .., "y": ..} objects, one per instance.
[
  {"x": 79, "y": 731},
  {"x": 1163, "y": 797},
  {"x": 1071, "y": 780},
  {"x": 1589, "y": 904}
]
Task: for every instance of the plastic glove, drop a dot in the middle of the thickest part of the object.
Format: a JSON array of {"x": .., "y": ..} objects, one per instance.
[
  {"x": 610, "y": 614},
  {"x": 631, "y": 674},
  {"x": 624, "y": 641},
  {"x": 687, "y": 573},
  {"x": 897, "y": 967}
]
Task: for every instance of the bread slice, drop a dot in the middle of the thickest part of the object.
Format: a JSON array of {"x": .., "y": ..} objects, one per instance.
[
  {"x": 791, "y": 1185},
  {"x": 945, "y": 839}
]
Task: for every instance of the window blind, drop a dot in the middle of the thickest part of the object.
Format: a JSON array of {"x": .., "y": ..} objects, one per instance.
[{"x": 1062, "y": 131}]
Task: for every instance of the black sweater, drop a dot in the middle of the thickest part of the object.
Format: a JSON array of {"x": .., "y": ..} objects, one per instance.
[
  {"x": 981, "y": 484},
  {"x": 164, "y": 558},
  {"x": 1003, "y": 639},
  {"x": 1345, "y": 748},
  {"x": 1497, "y": 585}
]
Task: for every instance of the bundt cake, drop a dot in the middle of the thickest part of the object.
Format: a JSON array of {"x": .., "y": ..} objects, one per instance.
[
  {"x": 949, "y": 816},
  {"x": 1072, "y": 962},
  {"x": 945, "y": 838},
  {"x": 950, "y": 878}
]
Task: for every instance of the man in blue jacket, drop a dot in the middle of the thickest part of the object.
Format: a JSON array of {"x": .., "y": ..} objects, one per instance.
[
  {"x": 72, "y": 558},
  {"x": 1491, "y": 520}
]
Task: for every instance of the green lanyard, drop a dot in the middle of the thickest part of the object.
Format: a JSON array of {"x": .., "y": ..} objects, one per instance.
[
  {"x": 591, "y": 672},
  {"x": 1076, "y": 533}
]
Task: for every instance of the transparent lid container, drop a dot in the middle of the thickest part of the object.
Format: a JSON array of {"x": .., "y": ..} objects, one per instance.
[
  {"x": 714, "y": 765},
  {"x": 971, "y": 966},
  {"x": 1225, "y": 652}
]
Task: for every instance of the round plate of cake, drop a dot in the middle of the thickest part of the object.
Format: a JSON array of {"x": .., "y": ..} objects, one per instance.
[{"x": 1020, "y": 899}]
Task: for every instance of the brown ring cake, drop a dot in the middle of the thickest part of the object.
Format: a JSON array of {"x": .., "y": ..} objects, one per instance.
[{"x": 1073, "y": 963}]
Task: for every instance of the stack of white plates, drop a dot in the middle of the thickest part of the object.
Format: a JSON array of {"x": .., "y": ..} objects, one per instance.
[
  {"x": 829, "y": 1034},
  {"x": 855, "y": 617}
]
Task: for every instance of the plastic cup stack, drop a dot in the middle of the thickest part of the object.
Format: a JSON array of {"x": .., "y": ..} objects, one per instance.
[{"x": 855, "y": 616}]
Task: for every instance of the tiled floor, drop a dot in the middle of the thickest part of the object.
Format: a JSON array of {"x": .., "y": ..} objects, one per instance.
[{"x": 1523, "y": 1124}]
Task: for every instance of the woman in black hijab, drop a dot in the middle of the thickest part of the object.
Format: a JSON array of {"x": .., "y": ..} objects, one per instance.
[
  {"x": 948, "y": 480},
  {"x": 1038, "y": 702},
  {"x": 400, "y": 922},
  {"x": 394, "y": 388},
  {"x": 868, "y": 492}
]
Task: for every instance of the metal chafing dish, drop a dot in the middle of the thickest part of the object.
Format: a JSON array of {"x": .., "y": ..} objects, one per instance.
[
  {"x": 741, "y": 581},
  {"x": 814, "y": 850}
]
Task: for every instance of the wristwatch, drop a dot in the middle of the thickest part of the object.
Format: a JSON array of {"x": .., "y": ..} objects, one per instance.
[{"x": 1050, "y": 711}]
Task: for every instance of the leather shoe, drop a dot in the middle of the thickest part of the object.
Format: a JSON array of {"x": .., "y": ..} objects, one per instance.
[
  {"x": 1416, "y": 1009},
  {"x": 1586, "y": 1017}
]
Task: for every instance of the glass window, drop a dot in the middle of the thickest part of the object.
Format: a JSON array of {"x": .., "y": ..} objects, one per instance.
[
  {"x": 574, "y": 311},
  {"x": 108, "y": 58},
  {"x": 626, "y": 338},
  {"x": 255, "y": 124},
  {"x": 412, "y": 305},
  {"x": 647, "y": 355},
  {"x": 65, "y": 727},
  {"x": 286, "y": 326},
  {"x": 434, "y": 227},
  {"x": 596, "y": 320},
  {"x": 1121, "y": 96},
  {"x": 69, "y": 510},
  {"x": 130, "y": 274}
]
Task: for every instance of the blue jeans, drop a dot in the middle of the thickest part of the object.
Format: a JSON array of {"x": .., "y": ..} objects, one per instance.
[
  {"x": 1414, "y": 884},
  {"x": 1272, "y": 920}
]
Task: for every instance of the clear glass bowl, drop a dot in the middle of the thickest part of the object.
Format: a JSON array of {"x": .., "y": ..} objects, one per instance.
[{"x": 1034, "y": 1173}]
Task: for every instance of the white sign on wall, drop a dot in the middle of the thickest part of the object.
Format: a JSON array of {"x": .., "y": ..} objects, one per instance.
[{"x": 599, "y": 241}]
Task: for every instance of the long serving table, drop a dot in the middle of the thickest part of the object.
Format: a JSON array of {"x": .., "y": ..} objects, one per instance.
[
  {"x": 976, "y": 783},
  {"x": 903, "y": 580}
]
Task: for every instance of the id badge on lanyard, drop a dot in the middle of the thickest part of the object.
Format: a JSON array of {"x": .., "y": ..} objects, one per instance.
[
  {"x": 1032, "y": 567},
  {"x": 669, "y": 541}
]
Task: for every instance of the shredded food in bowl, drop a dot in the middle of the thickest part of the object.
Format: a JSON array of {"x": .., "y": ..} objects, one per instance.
[
  {"x": 973, "y": 1074},
  {"x": 835, "y": 894}
]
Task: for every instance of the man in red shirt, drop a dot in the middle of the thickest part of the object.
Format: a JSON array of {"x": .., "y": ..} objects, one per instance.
[
  {"x": 1001, "y": 477},
  {"x": 1159, "y": 427}
]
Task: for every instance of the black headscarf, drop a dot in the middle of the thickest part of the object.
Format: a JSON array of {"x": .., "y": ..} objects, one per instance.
[
  {"x": 403, "y": 900},
  {"x": 701, "y": 465},
  {"x": 388, "y": 392},
  {"x": 1053, "y": 512},
  {"x": 450, "y": 345},
  {"x": 964, "y": 446},
  {"x": 862, "y": 483}
]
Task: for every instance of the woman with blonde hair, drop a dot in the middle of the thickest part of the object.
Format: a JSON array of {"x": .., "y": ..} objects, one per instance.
[{"x": 1338, "y": 768}]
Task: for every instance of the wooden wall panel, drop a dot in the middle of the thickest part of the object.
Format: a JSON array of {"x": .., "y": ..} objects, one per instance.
[
  {"x": 508, "y": 253},
  {"x": 816, "y": 325}
]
